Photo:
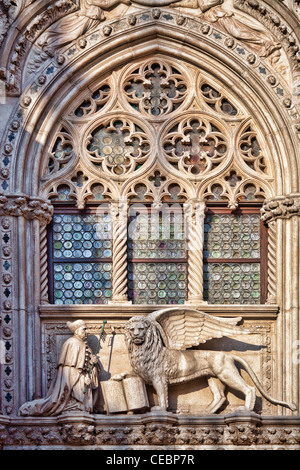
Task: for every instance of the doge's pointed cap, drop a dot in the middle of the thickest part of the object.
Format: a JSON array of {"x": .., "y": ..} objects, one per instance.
[{"x": 75, "y": 325}]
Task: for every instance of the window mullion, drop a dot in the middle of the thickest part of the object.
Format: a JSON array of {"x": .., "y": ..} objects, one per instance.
[
  {"x": 119, "y": 211},
  {"x": 194, "y": 220}
]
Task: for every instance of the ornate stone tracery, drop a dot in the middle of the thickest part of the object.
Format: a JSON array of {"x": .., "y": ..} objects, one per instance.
[
  {"x": 163, "y": 106},
  {"x": 195, "y": 144}
]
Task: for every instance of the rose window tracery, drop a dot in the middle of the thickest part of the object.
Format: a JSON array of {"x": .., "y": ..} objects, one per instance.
[
  {"x": 151, "y": 135},
  {"x": 94, "y": 102},
  {"x": 62, "y": 151},
  {"x": 118, "y": 146}
]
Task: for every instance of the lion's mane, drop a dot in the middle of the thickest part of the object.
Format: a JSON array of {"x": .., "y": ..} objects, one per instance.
[{"x": 147, "y": 357}]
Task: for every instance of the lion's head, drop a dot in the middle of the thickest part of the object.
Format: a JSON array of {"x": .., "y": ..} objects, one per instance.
[
  {"x": 145, "y": 346},
  {"x": 136, "y": 330}
]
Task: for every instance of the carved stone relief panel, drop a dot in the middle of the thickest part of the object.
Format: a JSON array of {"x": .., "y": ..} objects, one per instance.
[{"x": 194, "y": 397}]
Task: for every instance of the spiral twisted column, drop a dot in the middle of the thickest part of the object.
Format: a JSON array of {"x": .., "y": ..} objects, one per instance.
[
  {"x": 194, "y": 217},
  {"x": 119, "y": 259},
  {"x": 43, "y": 264},
  {"x": 272, "y": 268}
]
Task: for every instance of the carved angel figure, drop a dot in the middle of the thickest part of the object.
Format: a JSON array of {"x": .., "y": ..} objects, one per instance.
[
  {"x": 71, "y": 27},
  {"x": 157, "y": 347},
  {"x": 245, "y": 31},
  {"x": 73, "y": 387}
]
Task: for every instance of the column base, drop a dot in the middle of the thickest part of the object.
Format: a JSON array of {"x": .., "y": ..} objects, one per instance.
[
  {"x": 120, "y": 302},
  {"x": 195, "y": 302}
]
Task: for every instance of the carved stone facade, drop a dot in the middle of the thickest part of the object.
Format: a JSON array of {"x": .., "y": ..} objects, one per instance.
[{"x": 119, "y": 109}]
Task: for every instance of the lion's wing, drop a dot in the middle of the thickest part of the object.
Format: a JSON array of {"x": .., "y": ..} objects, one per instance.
[{"x": 185, "y": 328}]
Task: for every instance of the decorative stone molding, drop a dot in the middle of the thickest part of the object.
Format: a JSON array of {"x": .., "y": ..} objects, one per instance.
[
  {"x": 281, "y": 208},
  {"x": 22, "y": 205},
  {"x": 275, "y": 24},
  {"x": 163, "y": 431},
  {"x": 6, "y": 322}
]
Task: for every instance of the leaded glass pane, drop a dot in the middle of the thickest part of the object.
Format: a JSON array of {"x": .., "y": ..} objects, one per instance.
[
  {"x": 157, "y": 270},
  {"x": 157, "y": 283},
  {"x": 231, "y": 236},
  {"x": 82, "y": 283},
  {"x": 82, "y": 251},
  {"x": 77, "y": 236},
  {"x": 232, "y": 283}
]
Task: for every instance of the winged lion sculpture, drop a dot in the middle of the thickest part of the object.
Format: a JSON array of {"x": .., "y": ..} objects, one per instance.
[{"x": 159, "y": 352}]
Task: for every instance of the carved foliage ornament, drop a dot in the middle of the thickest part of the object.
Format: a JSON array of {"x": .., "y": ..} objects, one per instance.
[
  {"x": 27, "y": 207},
  {"x": 281, "y": 208}
]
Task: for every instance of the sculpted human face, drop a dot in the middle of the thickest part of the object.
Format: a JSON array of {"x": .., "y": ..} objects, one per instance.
[
  {"x": 82, "y": 333},
  {"x": 137, "y": 331}
]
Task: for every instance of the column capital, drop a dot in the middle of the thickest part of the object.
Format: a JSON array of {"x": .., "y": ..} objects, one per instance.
[
  {"x": 22, "y": 205},
  {"x": 282, "y": 207}
]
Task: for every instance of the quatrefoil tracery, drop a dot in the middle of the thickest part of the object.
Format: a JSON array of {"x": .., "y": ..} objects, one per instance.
[
  {"x": 118, "y": 146},
  {"x": 158, "y": 116},
  {"x": 195, "y": 145},
  {"x": 155, "y": 89}
]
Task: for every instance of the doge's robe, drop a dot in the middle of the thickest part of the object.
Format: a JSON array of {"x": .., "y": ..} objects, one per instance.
[{"x": 66, "y": 392}]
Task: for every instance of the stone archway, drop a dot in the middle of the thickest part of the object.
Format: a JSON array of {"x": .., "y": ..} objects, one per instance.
[{"x": 65, "y": 78}]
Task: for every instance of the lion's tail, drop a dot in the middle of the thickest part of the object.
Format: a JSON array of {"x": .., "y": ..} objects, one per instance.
[{"x": 257, "y": 383}]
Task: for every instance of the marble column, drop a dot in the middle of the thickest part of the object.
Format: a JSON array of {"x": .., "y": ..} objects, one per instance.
[
  {"x": 194, "y": 223},
  {"x": 285, "y": 213},
  {"x": 119, "y": 212}
]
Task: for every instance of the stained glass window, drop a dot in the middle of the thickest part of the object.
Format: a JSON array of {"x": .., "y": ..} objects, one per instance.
[
  {"x": 233, "y": 255},
  {"x": 157, "y": 268},
  {"x": 81, "y": 257}
]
